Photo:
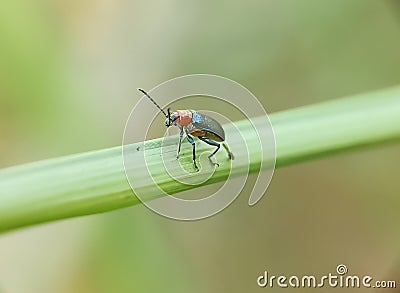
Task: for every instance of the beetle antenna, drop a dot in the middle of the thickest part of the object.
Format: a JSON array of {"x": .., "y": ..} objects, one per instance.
[{"x": 154, "y": 102}]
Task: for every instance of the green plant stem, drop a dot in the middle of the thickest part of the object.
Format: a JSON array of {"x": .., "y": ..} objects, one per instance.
[{"x": 95, "y": 182}]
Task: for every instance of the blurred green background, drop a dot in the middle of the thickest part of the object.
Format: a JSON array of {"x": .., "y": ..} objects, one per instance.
[{"x": 68, "y": 77}]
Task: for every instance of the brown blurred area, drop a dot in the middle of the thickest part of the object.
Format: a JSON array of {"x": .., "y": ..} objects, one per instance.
[{"x": 68, "y": 77}]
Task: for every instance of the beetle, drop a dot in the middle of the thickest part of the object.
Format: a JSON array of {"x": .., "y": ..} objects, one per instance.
[{"x": 194, "y": 123}]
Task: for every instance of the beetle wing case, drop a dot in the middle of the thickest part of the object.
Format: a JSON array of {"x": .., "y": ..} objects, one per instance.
[{"x": 205, "y": 126}]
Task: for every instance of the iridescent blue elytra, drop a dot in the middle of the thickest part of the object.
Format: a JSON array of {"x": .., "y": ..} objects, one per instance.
[{"x": 193, "y": 123}]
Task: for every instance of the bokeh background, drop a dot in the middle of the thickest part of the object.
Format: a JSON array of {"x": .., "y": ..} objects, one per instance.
[{"x": 68, "y": 76}]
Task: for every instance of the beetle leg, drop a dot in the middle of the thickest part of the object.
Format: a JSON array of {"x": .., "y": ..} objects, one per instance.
[
  {"x": 191, "y": 140},
  {"x": 214, "y": 143},
  {"x": 230, "y": 154},
  {"x": 180, "y": 141}
]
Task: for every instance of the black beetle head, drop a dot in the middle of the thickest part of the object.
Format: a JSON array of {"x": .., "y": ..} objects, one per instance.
[
  {"x": 171, "y": 118},
  {"x": 168, "y": 121}
]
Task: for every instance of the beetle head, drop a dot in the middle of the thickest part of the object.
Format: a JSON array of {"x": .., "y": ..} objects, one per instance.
[
  {"x": 168, "y": 120},
  {"x": 172, "y": 117}
]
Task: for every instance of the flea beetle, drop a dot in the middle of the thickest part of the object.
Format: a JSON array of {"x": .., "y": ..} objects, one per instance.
[{"x": 194, "y": 123}]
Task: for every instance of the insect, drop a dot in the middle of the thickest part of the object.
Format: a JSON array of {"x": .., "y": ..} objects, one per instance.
[{"x": 194, "y": 123}]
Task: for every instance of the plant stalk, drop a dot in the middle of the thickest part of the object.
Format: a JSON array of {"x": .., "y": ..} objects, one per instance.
[{"x": 95, "y": 182}]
